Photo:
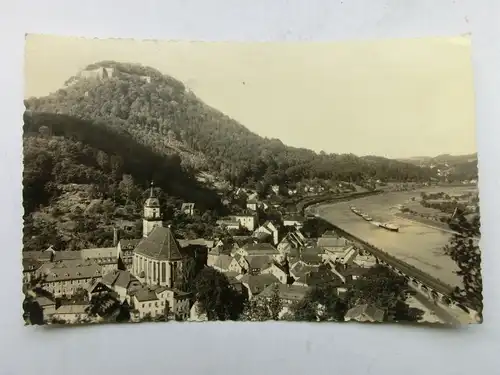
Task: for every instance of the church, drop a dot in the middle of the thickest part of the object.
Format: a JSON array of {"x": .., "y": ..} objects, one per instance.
[{"x": 157, "y": 258}]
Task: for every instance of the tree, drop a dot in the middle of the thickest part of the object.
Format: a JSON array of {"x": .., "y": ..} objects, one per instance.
[
  {"x": 262, "y": 309},
  {"x": 187, "y": 275},
  {"x": 463, "y": 248},
  {"x": 386, "y": 290},
  {"x": 321, "y": 303},
  {"x": 255, "y": 310},
  {"x": 33, "y": 312},
  {"x": 126, "y": 185},
  {"x": 274, "y": 304},
  {"x": 216, "y": 298}
]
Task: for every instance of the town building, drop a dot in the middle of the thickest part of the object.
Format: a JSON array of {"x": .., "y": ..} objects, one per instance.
[
  {"x": 157, "y": 258},
  {"x": 63, "y": 279},
  {"x": 255, "y": 284},
  {"x": 248, "y": 221},
  {"x": 288, "y": 294},
  {"x": 256, "y": 264},
  {"x": 365, "y": 313},
  {"x": 187, "y": 209},
  {"x": 292, "y": 240},
  {"x": 30, "y": 266},
  {"x": 160, "y": 301},
  {"x": 220, "y": 263},
  {"x": 333, "y": 244},
  {"x": 257, "y": 249},
  {"x": 270, "y": 229},
  {"x": 277, "y": 271},
  {"x": 71, "y": 314},
  {"x": 228, "y": 223},
  {"x": 126, "y": 252},
  {"x": 106, "y": 257},
  {"x": 48, "y": 307},
  {"x": 252, "y": 204},
  {"x": 296, "y": 221},
  {"x": 236, "y": 264},
  {"x": 123, "y": 283}
]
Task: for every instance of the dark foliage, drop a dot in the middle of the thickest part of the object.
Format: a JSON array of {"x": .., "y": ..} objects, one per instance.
[
  {"x": 33, "y": 312},
  {"x": 320, "y": 304},
  {"x": 384, "y": 289},
  {"x": 216, "y": 296},
  {"x": 464, "y": 250}
]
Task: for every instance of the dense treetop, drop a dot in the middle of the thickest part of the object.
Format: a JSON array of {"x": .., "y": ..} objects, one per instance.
[{"x": 161, "y": 114}]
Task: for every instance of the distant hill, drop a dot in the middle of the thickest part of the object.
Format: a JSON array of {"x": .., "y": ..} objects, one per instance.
[
  {"x": 453, "y": 167},
  {"x": 158, "y": 112}
]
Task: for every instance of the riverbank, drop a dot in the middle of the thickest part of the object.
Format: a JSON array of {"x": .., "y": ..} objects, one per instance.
[{"x": 427, "y": 222}]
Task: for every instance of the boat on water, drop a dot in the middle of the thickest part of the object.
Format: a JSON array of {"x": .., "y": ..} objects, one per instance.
[
  {"x": 366, "y": 217},
  {"x": 389, "y": 226}
]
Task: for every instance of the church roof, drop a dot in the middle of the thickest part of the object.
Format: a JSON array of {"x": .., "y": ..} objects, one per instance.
[{"x": 160, "y": 245}]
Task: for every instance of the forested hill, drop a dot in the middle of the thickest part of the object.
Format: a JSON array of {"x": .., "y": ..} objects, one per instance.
[
  {"x": 159, "y": 112},
  {"x": 82, "y": 178}
]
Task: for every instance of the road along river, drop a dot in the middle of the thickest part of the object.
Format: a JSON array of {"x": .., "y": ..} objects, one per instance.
[{"x": 416, "y": 244}]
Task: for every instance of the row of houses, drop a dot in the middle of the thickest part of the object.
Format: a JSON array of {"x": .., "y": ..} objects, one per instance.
[
  {"x": 142, "y": 273},
  {"x": 295, "y": 266}
]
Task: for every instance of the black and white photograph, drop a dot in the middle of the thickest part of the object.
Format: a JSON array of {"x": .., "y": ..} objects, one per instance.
[{"x": 176, "y": 181}]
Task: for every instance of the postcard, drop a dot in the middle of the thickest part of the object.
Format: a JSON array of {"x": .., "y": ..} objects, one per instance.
[{"x": 200, "y": 181}]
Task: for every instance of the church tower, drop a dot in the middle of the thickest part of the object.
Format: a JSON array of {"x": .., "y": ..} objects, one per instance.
[{"x": 152, "y": 215}]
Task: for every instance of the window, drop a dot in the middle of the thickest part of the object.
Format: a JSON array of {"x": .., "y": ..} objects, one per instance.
[{"x": 163, "y": 271}]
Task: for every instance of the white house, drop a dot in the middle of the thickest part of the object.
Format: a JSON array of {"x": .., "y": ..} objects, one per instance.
[
  {"x": 71, "y": 314},
  {"x": 160, "y": 301},
  {"x": 277, "y": 272},
  {"x": 252, "y": 204},
  {"x": 269, "y": 228},
  {"x": 246, "y": 221},
  {"x": 296, "y": 221}
]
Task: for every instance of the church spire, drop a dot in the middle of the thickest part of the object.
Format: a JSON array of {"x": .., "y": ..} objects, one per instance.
[{"x": 151, "y": 190}]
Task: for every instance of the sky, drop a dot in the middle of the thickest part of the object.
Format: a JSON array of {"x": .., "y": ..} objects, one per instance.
[{"x": 395, "y": 98}]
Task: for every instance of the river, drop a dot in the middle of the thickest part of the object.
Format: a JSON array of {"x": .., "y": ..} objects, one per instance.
[{"x": 415, "y": 243}]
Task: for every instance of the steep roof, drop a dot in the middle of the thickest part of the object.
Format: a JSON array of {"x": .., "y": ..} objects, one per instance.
[
  {"x": 223, "y": 261},
  {"x": 146, "y": 294},
  {"x": 296, "y": 218},
  {"x": 74, "y": 273},
  {"x": 300, "y": 270},
  {"x": 319, "y": 276},
  {"x": 332, "y": 242},
  {"x": 330, "y": 233},
  {"x": 160, "y": 245},
  {"x": 119, "y": 278},
  {"x": 261, "y": 262},
  {"x": 257, "y": 283},
  {"x": 96, "y": 253},
  {"x": 44, "y": 301},
  {"x": 72, "y": 309},
  {"x": 260, "y": 247}
]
